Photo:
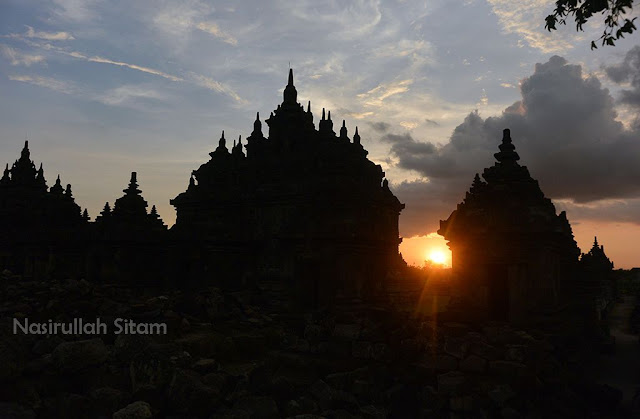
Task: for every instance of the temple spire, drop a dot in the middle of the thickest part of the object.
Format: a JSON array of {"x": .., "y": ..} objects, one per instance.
[
  {"x": 323, "y": 114},
  {"x": 356, "y": 137},
  {"x": 309, "y": 106},
  {"x": 222, "y": 146},
  {"x": 132, "y": 189},
  {"x": 57, "y": 188},
  {"x": 343, "y": 130},
  {"x": 257, "y": 125},
  {"x": 67, "y": 192},
  {"x": 25, "y": 151},
  {"x": 290, "y": 93},
  {"x": 507, "y": 152}
]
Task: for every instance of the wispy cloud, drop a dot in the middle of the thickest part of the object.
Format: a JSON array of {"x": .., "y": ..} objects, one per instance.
[
  {"x": 378, "y": 94},
  {"x": 216, "y": 86},
  {"x": 97, "y": 59},
  {"x": 49, "y": 36},
  {"x": 408, "y": 125},
  {"x": 197, "y": 79},
  {"x": 75, "y": 10},
  {"x": 16, "y": 57},
  {"x": 348, "y": 21},
  {"x": 127, "y": 95},
  {"x": 213, "y": 29},
  {"x": 526, "y": 18},
  {"x": 48, "y": 82},
  {"x": 484, "y": 99}
]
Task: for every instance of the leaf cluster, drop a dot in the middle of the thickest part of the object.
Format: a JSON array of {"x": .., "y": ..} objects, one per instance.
[{"x": 582, "y": 10}]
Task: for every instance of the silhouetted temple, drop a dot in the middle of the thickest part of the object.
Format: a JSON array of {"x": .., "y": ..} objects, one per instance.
[
  {"x": 596, "y": 259},
  {"x": 597, "y": 270},
  {"x": 42, "y": 231},
  {"x": 512, "y": 254},
  {"x": 44, "y": 234},
  {"x": 302, "y": 205}
]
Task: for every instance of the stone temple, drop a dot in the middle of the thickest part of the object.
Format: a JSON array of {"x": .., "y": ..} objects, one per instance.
[
  {"x": 513, "y": 256},
  {"x": 301, "y": 205},
  {"x": 300, "y": 208}
]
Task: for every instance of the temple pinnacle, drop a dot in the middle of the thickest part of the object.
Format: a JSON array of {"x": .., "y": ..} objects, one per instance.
[{"x": 507, "y": 152}]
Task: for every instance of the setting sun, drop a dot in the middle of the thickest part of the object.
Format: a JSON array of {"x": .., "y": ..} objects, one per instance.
[{"x": 437, "y": 256}]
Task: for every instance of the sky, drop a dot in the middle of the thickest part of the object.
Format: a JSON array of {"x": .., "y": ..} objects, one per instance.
[{"x": 101, "y": 88}]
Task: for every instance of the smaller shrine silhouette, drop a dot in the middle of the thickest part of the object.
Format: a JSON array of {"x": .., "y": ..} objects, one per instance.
[
  {"x": 596, "y": 270},
  {"x": 41, "y": 229},
  {"x": 513, "y": 256},
  {"x": 127, "y": 243}
]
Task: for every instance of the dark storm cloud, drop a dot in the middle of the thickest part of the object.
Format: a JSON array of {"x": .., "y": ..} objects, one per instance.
[
  {"x": 427, "y": 202},
  {"x": 628, "y": 71},
  {"x": 564, "y": 130},
  {"x": 380, "y": 126},
  {"x": 624, "y": 211}
]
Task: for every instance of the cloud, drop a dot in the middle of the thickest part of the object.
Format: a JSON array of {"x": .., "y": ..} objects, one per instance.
[
  {"x": 131, "y": 96},
  {"x": 216, "y": 86},
  {"x": 484, "y": 99},
  {"x": 214, "y": 30},
  {"x": 180, "y": 16},
  {"x": 348, "y": 21},
  {"x": 49, "y": 36},
  {"x": 96, "y": 59},
  {"x": 426, "y": 202},
  {"x": 194, "y": 78},
  {"x": 380, "y": 126},
  {"x": 411, "y": 154},
  {"x": 16, "y": 57},
  {"x": 628, "y": 71},
  {"x": 378, "y": 94},
  {"x": 48, "y": 82},
  {"x": 431, "y": 122},
  {"x": 76, "y": 10},
  {"x": 564, "y": 129},
  {"x": 618, "y": 210},
  {"x": 526, "y": 18}
]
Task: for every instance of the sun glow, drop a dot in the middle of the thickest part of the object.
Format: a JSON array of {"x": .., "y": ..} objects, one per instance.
[
  {"x": 421, "y": 250},
  {"x": 437, "y": 256}
]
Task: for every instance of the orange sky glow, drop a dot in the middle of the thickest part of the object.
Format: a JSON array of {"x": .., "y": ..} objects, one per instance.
[{"x": 619, "y": 240}]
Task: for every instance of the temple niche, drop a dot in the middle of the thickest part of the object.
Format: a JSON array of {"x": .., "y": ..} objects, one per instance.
[
  {"x": 301, "y": 205},
  {"x": 513, "y": 256}
]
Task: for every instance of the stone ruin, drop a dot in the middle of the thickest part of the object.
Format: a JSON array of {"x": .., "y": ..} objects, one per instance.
[
  {"x": 514, "y": 258},
  {"x": 302, "y": 205}
]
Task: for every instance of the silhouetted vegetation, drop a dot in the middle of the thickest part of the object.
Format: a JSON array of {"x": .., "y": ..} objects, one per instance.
[{"x": 582, "y": 11}]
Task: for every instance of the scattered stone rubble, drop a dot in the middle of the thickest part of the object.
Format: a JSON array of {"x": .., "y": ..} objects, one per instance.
[{"x": 233, "y": 355}]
